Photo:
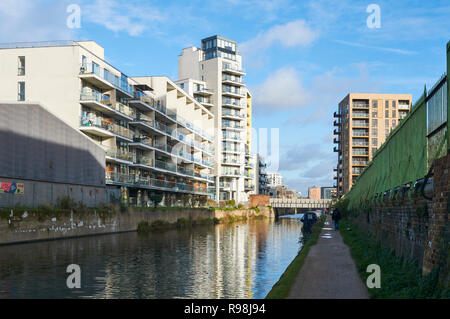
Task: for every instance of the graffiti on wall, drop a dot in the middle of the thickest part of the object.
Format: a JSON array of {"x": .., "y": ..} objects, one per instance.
[{"x": 12, "y": 188}]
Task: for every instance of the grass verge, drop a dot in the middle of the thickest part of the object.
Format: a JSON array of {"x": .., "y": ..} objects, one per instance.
[
  {"x": 400, "y": 279},
  {"x": 281, "y": 289}
]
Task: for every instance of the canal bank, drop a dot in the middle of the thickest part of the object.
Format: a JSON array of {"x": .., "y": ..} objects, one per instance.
[{"x": 28, "y": 225}]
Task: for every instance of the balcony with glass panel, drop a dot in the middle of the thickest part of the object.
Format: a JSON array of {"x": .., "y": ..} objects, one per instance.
[
  {"x": 360, "y": 114},
  {"x": 233, "y": 92},
  {"x": 232, "y": 80},
  {"x": 105, "y": 80},
  {"x": 104, "y": 127},
  {"x": 233, "y": 114},
  {"x": 119, "y": 156},
  {"x": 234, "y": 70},
  {"x": 102, "y": 103},
  {"x": 363, "y": 142}
]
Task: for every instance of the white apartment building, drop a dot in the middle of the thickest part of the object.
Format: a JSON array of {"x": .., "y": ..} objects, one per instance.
[
  {"x": 213, "y": 75},
  {"x": 275, "y": 179},
  {"x": 157, "y": 138}
]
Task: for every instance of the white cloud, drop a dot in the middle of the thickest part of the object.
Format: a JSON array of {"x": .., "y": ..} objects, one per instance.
[
  {"x": 361, "y": 45},
  {"x": 31, "y": 20},
  {"x": 122, "y": 16},
  {"x": 282, "y": 89},
  {"x": 292, "y": 34}
]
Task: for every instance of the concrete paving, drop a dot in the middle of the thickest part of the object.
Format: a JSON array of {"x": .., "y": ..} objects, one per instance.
[{"x": 329, "y": 271}]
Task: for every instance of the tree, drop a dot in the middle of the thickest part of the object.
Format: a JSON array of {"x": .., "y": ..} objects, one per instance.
[{"x": 156, "y": 199}]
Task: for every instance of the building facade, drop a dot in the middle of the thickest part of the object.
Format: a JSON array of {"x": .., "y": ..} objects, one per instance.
[
  {"x": 157, "y": 138},
  {"x": 327, "y": 192},
  {"x": 314, "y": 193},
  {"x": 275, "y": 179},
  {"x": 216, "y": 69},
  {"x": 362, "y": 123}
]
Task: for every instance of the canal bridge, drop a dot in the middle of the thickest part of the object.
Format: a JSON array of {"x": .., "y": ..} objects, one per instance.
[{"x": 285, "y": 206}]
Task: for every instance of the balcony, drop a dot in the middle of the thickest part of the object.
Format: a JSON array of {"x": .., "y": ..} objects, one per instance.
[
  {"x": 232, "y": 103},
  {"x": 360, "y": 105},
  {"x": 360, "y": 123},
  {"x": 231, "y": 125},
  {"x": 360, "y": 142},
  {"x": 232, "y": 114},
  {"x": 360, "y": 162},
  {"x": 233, "y": 93},
  {"x": 360, "y": 152},
  {"x": 204, "y": 100},
  {"x": 360, "y": 114},
  {"x": 105, "y": 80},
  {"x": 337, "y": 123},
  {"x": 203, "y": 91},
  {"x": 231, "y": 161},
  {"x": 119, "y": 156},
  {"x": 233, "y": 137},
  {"x": 403, "y": 106},
  {"x": 235, "y": 173},
  {"x": 227, "y": 79},
  {"x": 336, "y": 115},
  {"x": 337, "y": 132},
  {"x": 142, "y": 101},
  {"x": 336, "y": 141},
  {"x": 105, "y": 128},
  {"x": 143, "y": 160},
  {"x": 337, "y": 149},
  {"x": 102, "y": 103},
  {"x": 360, "y": 133},
  {"x": 227, "y": 68}
]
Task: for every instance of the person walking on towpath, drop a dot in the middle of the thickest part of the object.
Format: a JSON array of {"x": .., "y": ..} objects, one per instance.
[{"x": 336, "y": 216}]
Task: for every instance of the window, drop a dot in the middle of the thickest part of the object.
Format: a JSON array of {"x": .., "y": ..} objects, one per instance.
[
  {"x": 386, "y": 123},
  {"x": 394, "y": 114},
  {"x": 374, "y": 150},
  {"x": 203, "y": 67},
  {"x": 386, "y": 104},
  {"x": 374, "y": 123},
  {"x": 374, "y": 113},
  {"x": 374, "y": 103},
  {"x": 21, "y": 70},
  {"x": 374, "y": 142},
  {"x": 21, "y": 91},
  {"x": 394, "y": 123},
  {"x": 393, "y": 104},
  {"x": 386, "y": 132},
  {"x": 375, "y": 132},
  {"x": 386, "y": 113}
]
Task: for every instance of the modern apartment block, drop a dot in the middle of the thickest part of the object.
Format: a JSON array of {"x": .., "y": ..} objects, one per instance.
[
  {"x": 314, "y": 192},
  {"x": 156, "y": 137},
  {"x": 362, "y": 123},
  {"x": 275, "y": 179},
  {"x": 261, "y": 180},
  {"x": 213, "y": 75}
]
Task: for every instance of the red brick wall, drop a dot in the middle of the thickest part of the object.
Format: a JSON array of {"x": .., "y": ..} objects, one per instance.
[
  {"x": 417, "y": 228},
  {"x": 259, "y": 200}
]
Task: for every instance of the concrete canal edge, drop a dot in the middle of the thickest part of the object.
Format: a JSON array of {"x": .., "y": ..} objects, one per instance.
[
  {"x": 25, "y": 225},
  {"x": 282, "y": 287}
]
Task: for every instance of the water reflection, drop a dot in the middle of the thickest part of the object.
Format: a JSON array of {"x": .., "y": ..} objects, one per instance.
[{"x": 241, "y": 260}]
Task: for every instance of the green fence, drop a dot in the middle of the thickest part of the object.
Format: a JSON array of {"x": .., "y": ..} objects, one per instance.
[{"x": 409, "y": 151}]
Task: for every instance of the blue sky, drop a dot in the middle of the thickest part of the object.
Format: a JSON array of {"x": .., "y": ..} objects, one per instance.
[{"x": 301, "y": 57}]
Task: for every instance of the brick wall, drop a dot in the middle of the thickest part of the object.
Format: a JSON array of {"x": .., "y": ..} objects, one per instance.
[
  {"x": 259, "y": 200},
  {"x": 416, "y": 228}
]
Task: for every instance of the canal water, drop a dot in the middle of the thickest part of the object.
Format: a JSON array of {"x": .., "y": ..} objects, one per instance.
[{"x": 240, "y": 260}]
